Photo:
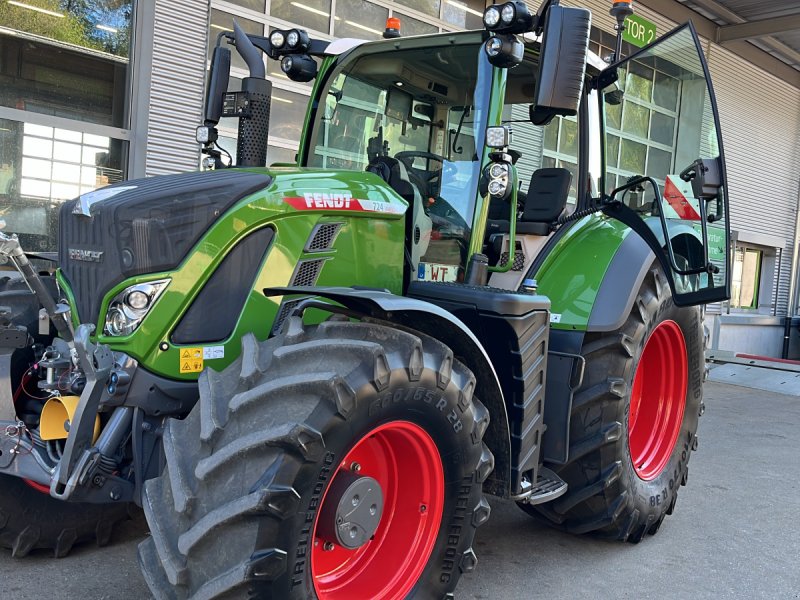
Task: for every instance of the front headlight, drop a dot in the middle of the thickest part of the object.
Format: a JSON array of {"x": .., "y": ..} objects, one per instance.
[{"x": 131, "y": 305}]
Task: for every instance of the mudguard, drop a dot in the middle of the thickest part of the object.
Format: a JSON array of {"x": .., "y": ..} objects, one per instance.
[
  {"x": 593, "y": 272},
  {"x": 436, "y": 322}
]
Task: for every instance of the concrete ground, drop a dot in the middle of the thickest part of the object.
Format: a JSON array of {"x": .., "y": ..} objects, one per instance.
[{"x": 734, "y": 534}]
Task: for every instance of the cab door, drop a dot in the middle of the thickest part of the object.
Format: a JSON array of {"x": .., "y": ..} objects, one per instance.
[{"x": 664, "y": 165}]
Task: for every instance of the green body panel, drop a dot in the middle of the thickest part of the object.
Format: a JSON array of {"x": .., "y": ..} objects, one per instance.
[
  {"x": 368, "y": 251},
  {"x": 574, "y": 269}
]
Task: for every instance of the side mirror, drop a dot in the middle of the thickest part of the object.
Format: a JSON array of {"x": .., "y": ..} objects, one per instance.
[
  {"x": 562, "y": 64},
  {"x": 217, "y": 83}
]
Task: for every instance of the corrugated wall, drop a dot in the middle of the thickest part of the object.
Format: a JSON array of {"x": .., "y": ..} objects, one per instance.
[
  {"x": 760, "y": 118},
  {"x": 178, "y": 77}
]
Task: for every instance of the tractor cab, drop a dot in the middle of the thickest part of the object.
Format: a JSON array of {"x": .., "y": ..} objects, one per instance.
[{"x": 499, "y": 140}]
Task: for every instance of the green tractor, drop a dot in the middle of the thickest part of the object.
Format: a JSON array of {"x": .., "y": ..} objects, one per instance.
[{"x": 310, "y": 375}]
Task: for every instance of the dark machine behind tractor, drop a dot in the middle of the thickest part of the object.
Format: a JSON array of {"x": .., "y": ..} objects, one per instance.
[{"x": 310, "y": 375}]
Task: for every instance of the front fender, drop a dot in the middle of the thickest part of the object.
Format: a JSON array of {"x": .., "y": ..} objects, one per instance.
[{"x": 431, "y": 320}]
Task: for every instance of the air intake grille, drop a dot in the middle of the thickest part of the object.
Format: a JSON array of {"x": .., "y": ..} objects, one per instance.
[
  {"x": 519, "y": 260},
  {"x": 307, "y": 272},
  {"x": 323, "y": 236}
]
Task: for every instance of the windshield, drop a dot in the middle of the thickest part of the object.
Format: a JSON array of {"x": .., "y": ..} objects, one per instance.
[{"x": 416, "y": 117}]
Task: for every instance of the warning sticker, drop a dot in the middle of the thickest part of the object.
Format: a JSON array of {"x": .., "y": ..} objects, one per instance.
[{"x": 191, "y": 360}]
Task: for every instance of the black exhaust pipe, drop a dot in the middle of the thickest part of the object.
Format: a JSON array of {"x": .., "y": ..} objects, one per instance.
[{"x": 251, "y": 147}]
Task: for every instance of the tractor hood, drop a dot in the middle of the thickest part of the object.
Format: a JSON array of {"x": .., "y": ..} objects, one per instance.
[{"x": 141, "y": 226}]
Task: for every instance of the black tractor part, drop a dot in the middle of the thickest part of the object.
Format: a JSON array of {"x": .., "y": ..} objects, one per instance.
[
  {"x": 627, "y": 459},
  {"x": 343, "y": 460}
]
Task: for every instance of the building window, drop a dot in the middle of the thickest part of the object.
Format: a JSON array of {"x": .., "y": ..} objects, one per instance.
[
  {"x": 746, "y": 276},
  {"x": 63, "y": 108}
]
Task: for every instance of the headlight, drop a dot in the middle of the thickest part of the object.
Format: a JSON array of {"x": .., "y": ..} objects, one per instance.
[
  {"x": 498, "y": 170},
  {"x": 507, "y": 13},
  {"x": 497, "y": 187},
  {"x": 491, "y": 17},
  {"x": 292, "y": 38},
  {"x": 131, "y": 305},
  {"x": 277, "y": 39}
]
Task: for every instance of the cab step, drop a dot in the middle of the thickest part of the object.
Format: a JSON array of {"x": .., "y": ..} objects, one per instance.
[{"x": 549, "y": 486}]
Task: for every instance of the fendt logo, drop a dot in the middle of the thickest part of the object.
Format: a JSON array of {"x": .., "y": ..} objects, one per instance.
[
  {"x": 326, "y": 200},
  {"x": 85, "y": 255}
]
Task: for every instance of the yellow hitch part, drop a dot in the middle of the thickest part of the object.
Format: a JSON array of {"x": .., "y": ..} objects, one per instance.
[{"x": 56, "y": 416}]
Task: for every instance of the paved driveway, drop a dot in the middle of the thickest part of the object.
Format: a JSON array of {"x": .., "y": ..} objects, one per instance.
[{"x": 735, "y": 532}]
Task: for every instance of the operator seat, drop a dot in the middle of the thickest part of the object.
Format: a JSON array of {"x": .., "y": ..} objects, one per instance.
[{"x": 541, "y": 206}]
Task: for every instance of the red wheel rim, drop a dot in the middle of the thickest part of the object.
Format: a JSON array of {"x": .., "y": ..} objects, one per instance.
[
  {"x": 405, "y": 461},
  {"x": 658, "y": 399}
]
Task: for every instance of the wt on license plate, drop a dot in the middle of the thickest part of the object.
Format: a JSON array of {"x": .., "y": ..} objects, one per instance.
[{"x": 437, "y": 272}]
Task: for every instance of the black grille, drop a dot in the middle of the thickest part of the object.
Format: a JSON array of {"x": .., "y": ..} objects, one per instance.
[
  {"x": 519, "y": 260},
  {"x": 307, "y": 272},
  {"x": 148, "y": 226},
  {"x": 225, "y": 292},
  {"x": 323, "y": 236}
]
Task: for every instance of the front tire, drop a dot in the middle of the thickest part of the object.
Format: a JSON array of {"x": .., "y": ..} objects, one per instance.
[
  {"x": 634, "y": 420},
  {"x": 257, "y": 475}
]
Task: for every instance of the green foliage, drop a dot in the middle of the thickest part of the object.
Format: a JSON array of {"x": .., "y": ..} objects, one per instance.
[{"x": 78, "y": 25}]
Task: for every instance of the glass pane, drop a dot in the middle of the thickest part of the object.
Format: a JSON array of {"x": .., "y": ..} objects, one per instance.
[
  {"x": 221, "y": 21},
  {"x": 568, "y": 138},
  {"x": 256, "y": 5},
  {"x": 551, "y": 135},
  {"x": 287, "y": 114},
  {"x": 359, "y": 19},
  {"x": 635, "y": 119},
  {"x": 640, "y": 82},
  {"x": 612, "y": 150},
  {"x": 410, "y": 26},
  {"x": 613, "y": 115},
  {"x": 662, "y": 129},
  {"x": 658, "y": 163},
  {"x": 311, "y": 14},
  {"x": 464, "y": 14},
  {"x": 103, "y": 26},
  {"x": 280, "y": 155},
  {"x": 548, "y": 162},
  {"x": 632, "y": 156},
  {"x": 62, "y": 81},
  {"x": 34, "y": 180},
  {"x": 665, "y": 93},
  {"x": 429, "y": 7}
]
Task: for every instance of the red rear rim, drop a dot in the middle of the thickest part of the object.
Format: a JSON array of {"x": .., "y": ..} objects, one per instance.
[
  {"x": 658, "y": 399},
  {"x": 405, "y": 461}
]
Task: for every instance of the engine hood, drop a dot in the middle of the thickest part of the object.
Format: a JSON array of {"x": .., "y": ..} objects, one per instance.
[{"x": 141, "y": 226}]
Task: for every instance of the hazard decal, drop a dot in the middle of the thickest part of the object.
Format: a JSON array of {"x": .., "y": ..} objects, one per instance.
[
  {"x": 341, "y": 201},
  {"x": 677, "y": 199},
  {"x": 191, "y": 360}
]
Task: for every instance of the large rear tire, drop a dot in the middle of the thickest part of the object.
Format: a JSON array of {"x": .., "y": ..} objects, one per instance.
[
  {"x": 634, "y": 420},
  {"x": 257, "y": 475},
  {"x": 29, "y": 518}
]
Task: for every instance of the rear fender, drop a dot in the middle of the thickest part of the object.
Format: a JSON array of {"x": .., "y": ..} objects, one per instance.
[{"x": 429, "y": 319}]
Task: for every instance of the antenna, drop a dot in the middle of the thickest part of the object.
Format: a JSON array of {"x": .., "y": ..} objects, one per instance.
[{"x": 620, "y": 10}]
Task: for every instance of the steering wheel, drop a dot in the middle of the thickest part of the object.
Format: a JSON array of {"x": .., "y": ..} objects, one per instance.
[{"x": 407, "y": 158}]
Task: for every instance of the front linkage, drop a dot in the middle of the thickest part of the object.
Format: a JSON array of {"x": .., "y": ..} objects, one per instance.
[{"x": 84, "y": 468}]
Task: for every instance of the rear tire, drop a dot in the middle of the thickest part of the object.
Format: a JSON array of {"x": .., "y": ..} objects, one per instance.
[
  {"x": 31, "y": 520},
  {"x": 634, "y": 420},
  {"x": 240, "y": 510}
]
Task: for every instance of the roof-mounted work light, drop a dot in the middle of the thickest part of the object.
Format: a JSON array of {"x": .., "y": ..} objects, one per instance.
[{"x": 511, "y": 17}]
